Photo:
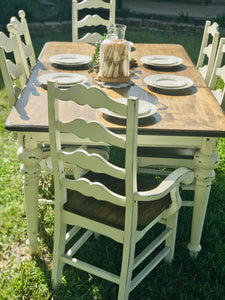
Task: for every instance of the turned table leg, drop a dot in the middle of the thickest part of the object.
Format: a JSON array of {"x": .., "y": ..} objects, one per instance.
[
  {"x": 206, "y": 160},
  {"x": 30, "y": 156}
]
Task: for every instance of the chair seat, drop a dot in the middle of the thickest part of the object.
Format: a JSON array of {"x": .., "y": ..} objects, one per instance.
[
  {"x": 113, "y": 215},
  {"x": 167, "y": 152}
]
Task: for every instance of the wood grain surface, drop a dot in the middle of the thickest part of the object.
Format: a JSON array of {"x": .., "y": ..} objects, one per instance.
[{"x": 192, "y": 112}]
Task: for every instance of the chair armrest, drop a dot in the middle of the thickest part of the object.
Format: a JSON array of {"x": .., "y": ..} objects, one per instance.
[{"x": 181, "y": 175}]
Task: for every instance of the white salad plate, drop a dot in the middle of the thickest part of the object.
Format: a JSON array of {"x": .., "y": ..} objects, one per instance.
[
  {"x": 164, "y": 61},
  {"x": 145, "y": 109},
  {"x": 70, "y": 59},
  {"x": 64, "y": 79},
  {"x": 168, "y": 82}
]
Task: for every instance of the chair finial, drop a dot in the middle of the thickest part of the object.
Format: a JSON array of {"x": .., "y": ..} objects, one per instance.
[
  {"x": 10, "y": 28},
  {"x": 21, "y": 14}
]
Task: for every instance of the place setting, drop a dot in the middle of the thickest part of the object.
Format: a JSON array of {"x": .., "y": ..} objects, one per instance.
[
  {"x": 70, "y": 60},
  {"x": 65, "y": 80},
  {"x": 161, "y": 61},
  {"x": 146, "y": 111},
  {"x": 169, "y": 84}
]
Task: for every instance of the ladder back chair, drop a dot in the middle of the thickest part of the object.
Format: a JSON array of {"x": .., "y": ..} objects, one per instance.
[
  {"x": 91, "y": 20},
  {"x": 109, "y": 200},
  {"x": 219, "y": 71},
  {"x": 152, "y": 160},
  {"x": 208, "y": 50},
  {"x": 13, "y": 73},
  {"x": 21, "y": 31}
]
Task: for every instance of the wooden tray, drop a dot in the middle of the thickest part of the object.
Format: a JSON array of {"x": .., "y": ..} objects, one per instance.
[{"x": 110, "y": 79}]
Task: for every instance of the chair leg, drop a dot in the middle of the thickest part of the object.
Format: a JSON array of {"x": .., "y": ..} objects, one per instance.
[
  {"x": 59, "y": 249},
  {"x": 170, "y": 241},
  {"x": 126, "y": 270},
  {"x": 96, "y": 235}
]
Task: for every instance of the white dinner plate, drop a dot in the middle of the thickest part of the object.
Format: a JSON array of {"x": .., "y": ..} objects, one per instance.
[
  {"x": 168, "y": 82},
  {"x": 145, "y": 109},
  {"x": 70, "y": 59},
  {"x": 64, "y": 79},
  {"x": 164, "y": 61}
]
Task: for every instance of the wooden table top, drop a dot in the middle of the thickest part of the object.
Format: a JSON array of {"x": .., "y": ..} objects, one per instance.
[{"x": 190, "y": 112}]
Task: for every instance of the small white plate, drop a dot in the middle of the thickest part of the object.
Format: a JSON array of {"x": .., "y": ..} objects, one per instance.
[
  {"x": 164, "y": 61},
  {"x": 70, "y": 59},
  {"x": 168, "y": 82},
  {"x": 145, "y": 109},
  {"x": 64, "y": 79}
]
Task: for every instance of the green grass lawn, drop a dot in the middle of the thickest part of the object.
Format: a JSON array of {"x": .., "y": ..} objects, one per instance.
[{"x": 26, "y": 277}]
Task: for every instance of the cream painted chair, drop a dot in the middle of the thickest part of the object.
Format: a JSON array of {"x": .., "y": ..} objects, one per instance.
[
  {"x": 219, "y": 70},
  {"x": 153, "y": 160},
  {"x": 208, "y": 50},
  {"x": 21, "y": 31},
  {"x": 13, "y": 73},
  {"x": 108, "y": 200},
  {"x": 91, "y": 20}
]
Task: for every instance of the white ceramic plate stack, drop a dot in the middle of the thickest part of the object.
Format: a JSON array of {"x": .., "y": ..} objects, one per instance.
[
  {"x": 168, "y": 82},
  {"x": 64, "y": 79},
  {"x": 70, "y": 60},
  {"x": 164, "y": 61},
  {"x": 145, "y": 109}
]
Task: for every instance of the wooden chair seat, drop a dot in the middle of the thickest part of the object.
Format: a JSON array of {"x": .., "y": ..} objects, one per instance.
[
  {"x": 167, "y": 152},
  {"x": 111, "y": 214}
]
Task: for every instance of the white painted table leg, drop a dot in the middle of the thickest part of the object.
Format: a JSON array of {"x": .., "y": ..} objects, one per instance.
[
  {"x": 30, "y": 156},
  {"x": 206, "y": 160}
]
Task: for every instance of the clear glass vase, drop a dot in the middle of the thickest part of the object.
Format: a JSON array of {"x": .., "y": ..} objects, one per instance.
[{"x": 114, "y": 64}]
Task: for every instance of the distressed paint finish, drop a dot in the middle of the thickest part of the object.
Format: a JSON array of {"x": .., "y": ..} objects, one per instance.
[
  {"x": 206, "y": 160},
  {"x": 30, "y": 156}
]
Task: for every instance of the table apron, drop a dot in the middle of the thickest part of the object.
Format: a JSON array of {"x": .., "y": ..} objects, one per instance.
[{"x": 39, "y": 138}]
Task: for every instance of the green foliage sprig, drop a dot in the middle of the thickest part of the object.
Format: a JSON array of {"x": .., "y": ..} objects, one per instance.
[{"x": 95, "y": 59}]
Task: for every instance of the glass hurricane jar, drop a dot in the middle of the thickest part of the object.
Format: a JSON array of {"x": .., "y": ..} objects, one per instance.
[{"x": 114, "y": 64}]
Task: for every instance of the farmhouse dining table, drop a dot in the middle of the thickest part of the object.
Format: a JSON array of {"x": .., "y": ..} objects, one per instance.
[{"x": 189, "y": 118}]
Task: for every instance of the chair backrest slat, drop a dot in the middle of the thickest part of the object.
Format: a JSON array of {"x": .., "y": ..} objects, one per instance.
[
  {"x": 91, "y": 20},
  {"x": 98, "y": 97},
  {"x": 91, "y": 38},
  {"x": 93, "y": 189},
  {"x": 94, "y": 162},
  {"x": 93, "y": 131},
  {"x": 14, "y": 69}
]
